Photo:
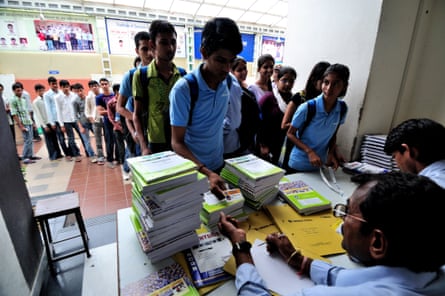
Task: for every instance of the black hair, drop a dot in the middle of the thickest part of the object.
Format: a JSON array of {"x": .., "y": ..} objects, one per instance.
[
  {"x": 64, "y": 82},
  {"x": 38, "y": 87},
  {"x": 17, "y": 85},
  {"x": 77, "y": 86},
  {"x": 116, "y": 87},
  {"x": 237, "y": 61},
  {"x": 104, "y": 79},
  {"x": 406, "y": 208},
  {"x": 286, "y": 70},
  {"x": 221, "y": 33},
  {"x": 142, "y": 35},
  {"x": 263, "y": 59},
  {"x": 315, "y": 75},
  {"x": 159, "y": 27},
  {"x": 52, "y": 79},
  {"x": 136, "y": 61},
  {"x": 422, "y": 134},
  {"x": 91, "y": 83},
  {"x": 342, "y": 72}
]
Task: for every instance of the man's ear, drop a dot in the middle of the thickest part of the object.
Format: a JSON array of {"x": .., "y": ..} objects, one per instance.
[
  {"x": 379, "y": 244},
  {"x": 412, "y": 151},
  {"x": 203, "y": 53},
  {"x": 151, "y": 44}
]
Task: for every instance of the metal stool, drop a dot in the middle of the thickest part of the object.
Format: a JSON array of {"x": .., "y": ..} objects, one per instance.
[{"x": 61, "y": 205}]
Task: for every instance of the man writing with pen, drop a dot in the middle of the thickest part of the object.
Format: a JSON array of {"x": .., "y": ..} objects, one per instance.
[{"x": 387, "y": 227}]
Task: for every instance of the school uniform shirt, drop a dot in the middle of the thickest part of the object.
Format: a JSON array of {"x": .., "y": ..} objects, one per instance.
[
  {"x": 316, "y": 135},
  {"x": 232, "y": 120},
  {"x": 436, "y": 172},
  {"x": 337, "y": 281},
  {"x": 158, "y": 130},
  {"x": 65, "y": 109},
  {"x": 40, "y": 116},
  {"x": 50, "y": 104},
  {"x": 204, "y": 137}
]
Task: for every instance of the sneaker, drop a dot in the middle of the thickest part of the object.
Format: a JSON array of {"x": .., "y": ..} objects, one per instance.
[
  {"x": 100, "y": 161},
  {"x": 36, "y": 158},
  {"x": 125, "y": 175},
  {"x": 78, "y": 158},
  {"x": 115, "y": 162},
  {"x": 110, "y": 165},
  {"x": 93, "y": 159},
  {"x": 28, "y": 161},
  {"x": 69, "y": 158}
]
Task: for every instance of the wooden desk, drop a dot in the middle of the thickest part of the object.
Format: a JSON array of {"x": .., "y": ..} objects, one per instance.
[{"x": 133, "y": 264}]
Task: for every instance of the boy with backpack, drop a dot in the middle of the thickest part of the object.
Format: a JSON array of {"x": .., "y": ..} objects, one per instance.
[
  {"x": 201, "y": 138},
  {"x": 151, "y": 87}
]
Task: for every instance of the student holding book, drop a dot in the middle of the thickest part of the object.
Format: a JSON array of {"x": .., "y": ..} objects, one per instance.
[
  {"x": 201, "y": 138},
  {"x": 387, "y": 228}
]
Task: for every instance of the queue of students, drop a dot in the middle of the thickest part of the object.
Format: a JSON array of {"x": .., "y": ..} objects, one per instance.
[{"x": 387, "y": 220}]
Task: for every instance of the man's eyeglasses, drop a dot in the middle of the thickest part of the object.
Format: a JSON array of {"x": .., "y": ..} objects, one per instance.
[{"x": 341, "y": 211}]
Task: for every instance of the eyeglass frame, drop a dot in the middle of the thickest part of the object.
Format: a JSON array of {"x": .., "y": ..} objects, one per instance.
[{"x": 341, "y": 211}]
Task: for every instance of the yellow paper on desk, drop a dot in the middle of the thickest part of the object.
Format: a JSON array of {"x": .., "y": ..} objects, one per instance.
[
  {"x": 259, "y": 221},
  {"x": 312, "y": 233}
]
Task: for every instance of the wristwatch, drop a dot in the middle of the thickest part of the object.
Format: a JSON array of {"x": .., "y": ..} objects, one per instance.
[{"x": 242, "y": 246}]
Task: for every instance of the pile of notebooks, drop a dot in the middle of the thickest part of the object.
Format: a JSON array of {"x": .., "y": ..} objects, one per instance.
[
  {"x": 166, "y": 200},
  {"x": 257, "y": 178},
  {"x": 371, "y": 152},
  {"x": 232, "y": 205}
]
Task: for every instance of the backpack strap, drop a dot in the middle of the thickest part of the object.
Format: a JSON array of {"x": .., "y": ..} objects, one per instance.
[
  {"x": 194, "y": 91},
  {"x": 182, "y": 71},
  {"x": 144, "y": 81},
  {"x": 193, "y": 86},
  {"x": 311, "y": 109}
]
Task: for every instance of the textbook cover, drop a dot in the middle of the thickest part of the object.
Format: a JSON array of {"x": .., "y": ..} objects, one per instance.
[
  {"x": 170, "y": 280},
  {"x": 303, "y": 198},
  {"x": 206, "y": 260},
  {"x": 158, "y": 166}
]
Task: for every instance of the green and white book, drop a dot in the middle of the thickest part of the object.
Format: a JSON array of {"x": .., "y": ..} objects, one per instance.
[
  {"x": 253, "y": 167},
  {"x": 158, "y": 166},
  {"x": 303, "y": 198}
]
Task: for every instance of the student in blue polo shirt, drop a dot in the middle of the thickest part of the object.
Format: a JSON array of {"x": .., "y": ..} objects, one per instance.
[{"x": 201, "y": 138}]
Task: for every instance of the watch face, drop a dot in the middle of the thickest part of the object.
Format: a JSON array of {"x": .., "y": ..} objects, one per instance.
[{"x": 243, "y": 246}]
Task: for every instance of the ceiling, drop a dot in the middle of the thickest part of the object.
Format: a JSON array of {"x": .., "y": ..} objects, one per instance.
[{"x": 264, "y": 13}]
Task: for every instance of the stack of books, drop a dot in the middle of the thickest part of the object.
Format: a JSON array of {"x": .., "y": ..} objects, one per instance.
[
  {"x": 166, "y": 200},
  {"x": 302, "y": 198},
  {"x": 257, "y": 178},
  {"x": 372, "y": 153},
  {"x": 232, "y": 205}
]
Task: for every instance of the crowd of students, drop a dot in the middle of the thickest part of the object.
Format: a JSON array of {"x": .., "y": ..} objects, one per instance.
[{"x": 211, "y": 114}]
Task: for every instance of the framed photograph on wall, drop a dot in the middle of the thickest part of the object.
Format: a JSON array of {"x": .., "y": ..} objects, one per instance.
[
  {"x": 120, "y": 36},
  {"x": 56, "y": 35},
  {"x": 273, "y": 46}
]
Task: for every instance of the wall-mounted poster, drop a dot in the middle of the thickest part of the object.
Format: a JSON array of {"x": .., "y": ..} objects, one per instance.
[
  {"x": 64, "y": 36},
  {"x": 13, "y": 35},
  {"x": 273, "y": 46},
  {"x": 247, "y": 39},
  {"x": 120, "y": 34}
]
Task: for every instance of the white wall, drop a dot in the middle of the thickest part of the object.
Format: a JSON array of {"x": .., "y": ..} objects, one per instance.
[
  {"x": 341, "y": 31},
  {"x": 394, "y": 49}
]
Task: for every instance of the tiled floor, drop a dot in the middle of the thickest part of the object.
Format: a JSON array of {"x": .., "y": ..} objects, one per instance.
[
  {"x": 102, "y": 192},
  {"x": 101, "y": 189}
]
